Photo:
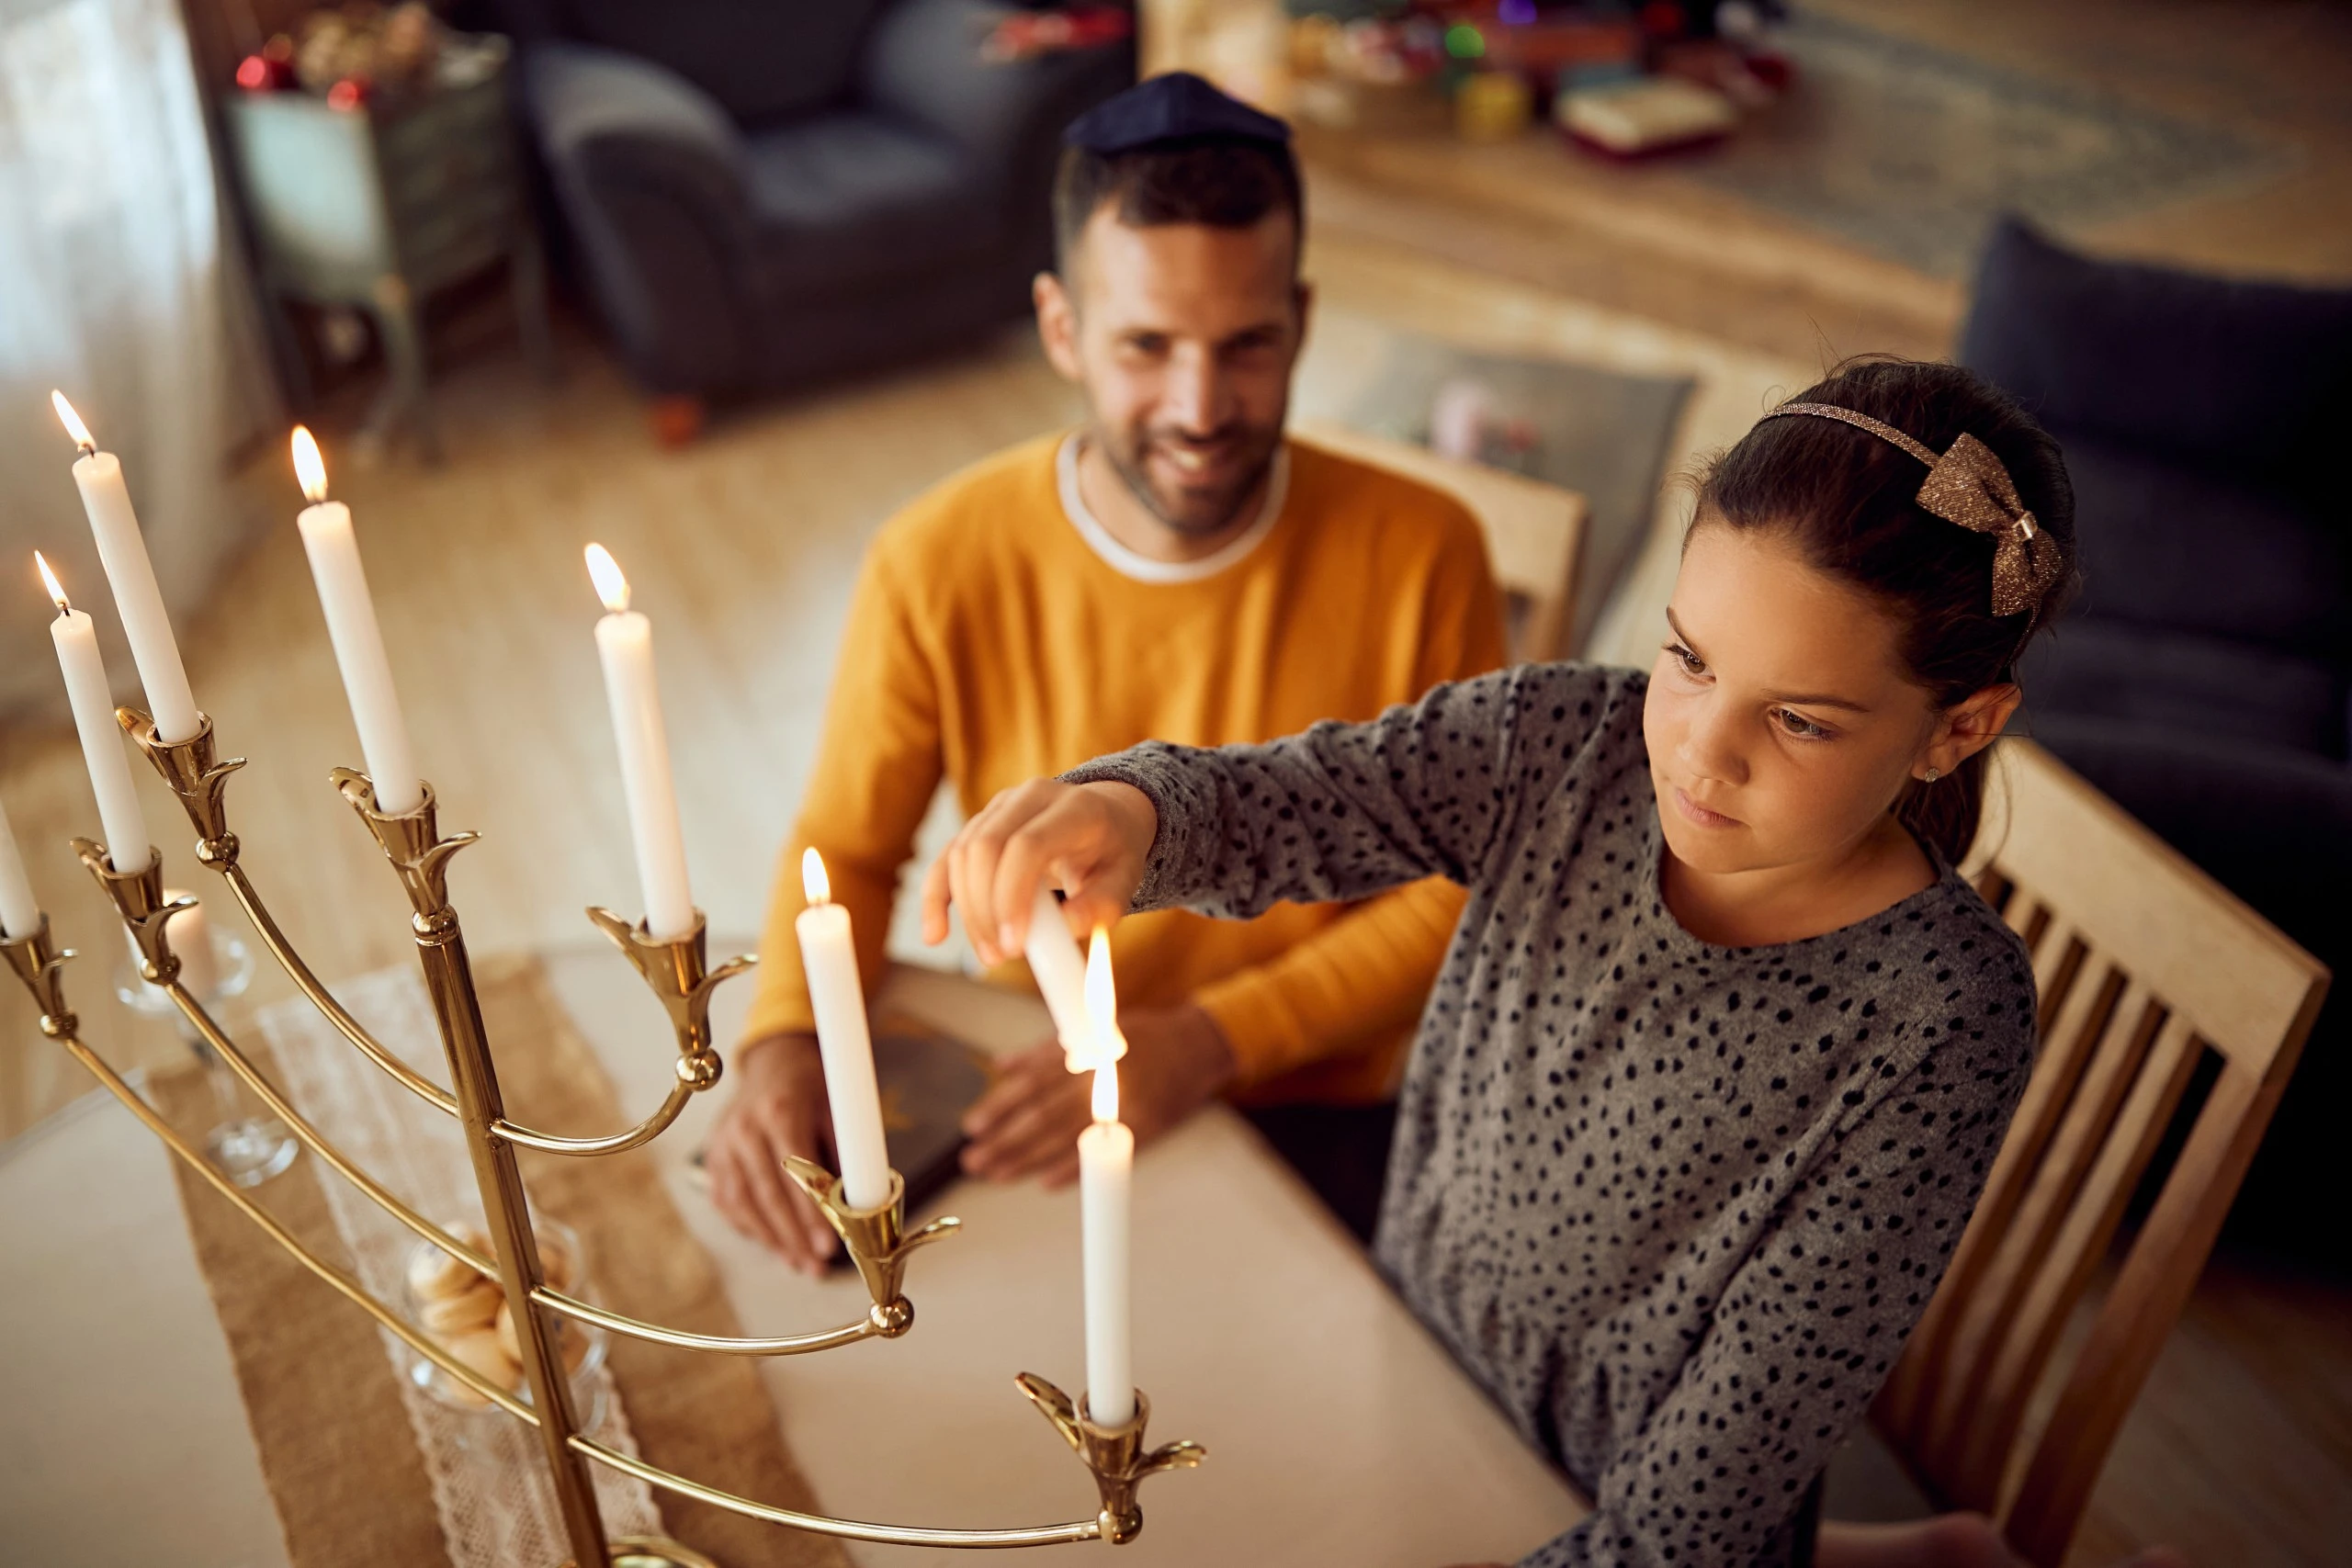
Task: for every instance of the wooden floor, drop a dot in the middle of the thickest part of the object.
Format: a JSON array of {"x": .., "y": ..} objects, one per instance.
[{"x": 1651, "y": 240}]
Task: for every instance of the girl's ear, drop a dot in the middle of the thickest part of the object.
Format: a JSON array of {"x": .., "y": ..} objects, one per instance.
[{"x": 1969, "y": 726}]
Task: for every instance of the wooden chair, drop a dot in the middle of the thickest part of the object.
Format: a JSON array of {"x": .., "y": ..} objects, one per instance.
[
  {"x": 2145, "y": 965},
  {"x": 1534, "y": 531}
]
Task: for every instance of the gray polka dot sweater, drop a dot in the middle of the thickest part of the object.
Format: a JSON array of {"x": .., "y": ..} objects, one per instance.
[{"x": 1675, "y": 1206}]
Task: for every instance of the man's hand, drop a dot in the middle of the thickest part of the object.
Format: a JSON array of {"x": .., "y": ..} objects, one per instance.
[
  {"x": 1030, "y": 1119},
  {"x": 778, "y": 1108}
]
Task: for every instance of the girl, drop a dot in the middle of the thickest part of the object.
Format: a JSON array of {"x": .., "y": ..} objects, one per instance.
[{"x": 1724, "y": 1045}]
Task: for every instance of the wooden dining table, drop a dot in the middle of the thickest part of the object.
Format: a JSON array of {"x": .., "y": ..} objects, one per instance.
[{"x": 1337, "y": 1431}]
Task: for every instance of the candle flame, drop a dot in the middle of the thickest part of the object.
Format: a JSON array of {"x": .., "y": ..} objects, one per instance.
[
  {"x": 310, "y": 469},
  {"x": 1104, "y": 1044},
  {"x": 606, "y": 572},
  {"x": 1106, "y": 1092},
  {"x": 71, "y": 421},
  {"x": 49, "y": 578},
  {"x": 813, "y": 880}
]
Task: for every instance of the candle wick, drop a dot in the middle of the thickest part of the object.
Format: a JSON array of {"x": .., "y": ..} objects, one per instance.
[{"x": 85, "y": 448}]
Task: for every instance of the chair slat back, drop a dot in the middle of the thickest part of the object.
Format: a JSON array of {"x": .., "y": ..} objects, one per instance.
[
  {"x": 1535, "y": 531},
  {"x": 2144, "y": 964}
]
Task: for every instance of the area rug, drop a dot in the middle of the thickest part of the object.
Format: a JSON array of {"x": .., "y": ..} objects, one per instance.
[
  {"x": 1600, "y": 433},
  {"x": 1911, "y": 151}
]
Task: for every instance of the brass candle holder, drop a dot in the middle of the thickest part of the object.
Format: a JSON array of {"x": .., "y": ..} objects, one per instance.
[{"x": 678, "y": 972}]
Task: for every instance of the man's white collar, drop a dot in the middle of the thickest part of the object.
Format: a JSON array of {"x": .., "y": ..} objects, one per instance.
[{"x": 1143, "y": 568}]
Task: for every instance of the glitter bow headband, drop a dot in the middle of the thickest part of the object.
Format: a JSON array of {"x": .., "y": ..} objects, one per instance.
[{"x": 1968, "y": 485}]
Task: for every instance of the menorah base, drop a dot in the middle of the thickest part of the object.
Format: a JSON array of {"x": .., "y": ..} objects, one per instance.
[{"x": 654, "y": 1552}]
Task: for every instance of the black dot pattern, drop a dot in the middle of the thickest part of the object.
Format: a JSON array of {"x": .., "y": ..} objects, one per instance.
[{"x": 1675, "y": 1206}]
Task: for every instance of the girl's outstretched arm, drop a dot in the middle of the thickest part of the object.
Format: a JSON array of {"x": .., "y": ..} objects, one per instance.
[
  {"x": 1340, "y": 811},
  {"x": 1337, "y": 811}
]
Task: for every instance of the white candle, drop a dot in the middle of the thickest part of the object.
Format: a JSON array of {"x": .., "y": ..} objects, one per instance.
[
  {"x": 829, "y": 957},
  {"x": 1060, "y": 973},
  {"x": 191, "y": 940},
  {"x": 123, "y": 552},
  {"x": 19, "y": 911},
  {"x": 342, "y": 582},
  {"x": 1107, "y": 1153},
  {"x": 624, "y": 646},
  {"x": 120, "y": 819}
]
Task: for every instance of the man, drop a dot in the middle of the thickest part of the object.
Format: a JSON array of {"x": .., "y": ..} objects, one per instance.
[{"x": 1174, "y": 569}]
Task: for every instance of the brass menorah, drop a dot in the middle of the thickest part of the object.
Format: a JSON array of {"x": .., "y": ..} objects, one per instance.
[{"x": 677, "y": 971}]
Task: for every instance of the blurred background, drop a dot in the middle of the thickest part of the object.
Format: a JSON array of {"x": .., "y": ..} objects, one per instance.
[{"x": 721, "y": 284}]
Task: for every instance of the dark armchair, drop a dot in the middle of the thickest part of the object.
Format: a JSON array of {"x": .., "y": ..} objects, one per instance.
[
  {"x": 760, "y": 194},
  {"x": 2205, "y": 680}
]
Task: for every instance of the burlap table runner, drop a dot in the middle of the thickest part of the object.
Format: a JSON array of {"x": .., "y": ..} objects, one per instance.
[{"x": 341, "y": 1467}]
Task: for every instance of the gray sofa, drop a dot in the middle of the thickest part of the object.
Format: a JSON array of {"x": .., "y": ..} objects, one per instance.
[
  {"x": 2204, "y": 681},
  {"x": 762, "y": 193}
]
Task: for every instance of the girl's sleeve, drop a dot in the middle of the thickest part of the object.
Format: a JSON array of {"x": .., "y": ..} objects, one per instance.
[
  {"x": 1342, "y": 810},
  {"x": 1789, "y": 1360}
]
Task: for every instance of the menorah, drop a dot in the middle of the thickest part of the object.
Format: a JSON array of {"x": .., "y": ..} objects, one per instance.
[{"x": 677, "y": 972}]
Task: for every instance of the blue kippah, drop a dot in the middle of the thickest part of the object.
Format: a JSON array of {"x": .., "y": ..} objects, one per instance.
[{"x": 1176, "y": 107}]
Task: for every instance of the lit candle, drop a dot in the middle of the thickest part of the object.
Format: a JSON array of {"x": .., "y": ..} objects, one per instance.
[
  {"x": 342, "y": 582},
  {"x": 86, "y": 686},
  {"x": 1106, "y": 1156},
  {"x": 123, "y": 552},
  {"x": 624, "y": 645},
  {"x": 829, "y": 957},
  {"x": 19, "y": 911},
  {"x": 1060, "y": 974}
]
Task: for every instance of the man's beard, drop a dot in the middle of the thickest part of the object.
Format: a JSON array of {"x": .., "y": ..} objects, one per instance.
[{"x": 1202, "y": 512}]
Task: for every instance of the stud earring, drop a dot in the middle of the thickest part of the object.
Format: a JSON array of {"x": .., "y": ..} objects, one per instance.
[{"x": 1933, "y": 774}]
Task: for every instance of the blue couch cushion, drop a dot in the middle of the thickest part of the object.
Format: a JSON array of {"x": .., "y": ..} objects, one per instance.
[
  {"x": 764, "y": 61},
  {"x": 2180, "y": 549},
  {"x": 862, "y": 198},
  {"x": 2238, "y": 375},
  {"x": 2206, "y": 691}
]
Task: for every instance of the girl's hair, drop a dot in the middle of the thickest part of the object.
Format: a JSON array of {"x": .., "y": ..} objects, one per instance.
[{"x": 1848, "y": 498}]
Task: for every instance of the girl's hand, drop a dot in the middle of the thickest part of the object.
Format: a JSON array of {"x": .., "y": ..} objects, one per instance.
[{"x": 1091, "y": 840}]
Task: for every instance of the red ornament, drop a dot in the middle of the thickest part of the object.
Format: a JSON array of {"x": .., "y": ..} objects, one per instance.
[
  {"x": 346, "y": 95},
  {"x": 1664, "y": 18},
  {"x": 253, "y": 73}
]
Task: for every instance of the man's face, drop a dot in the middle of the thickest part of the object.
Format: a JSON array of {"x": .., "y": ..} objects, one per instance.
[{"x": 1183, "y": 337}]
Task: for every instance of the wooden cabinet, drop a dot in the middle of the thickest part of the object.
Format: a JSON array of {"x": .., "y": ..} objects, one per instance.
[{"x": 378, "y": 206}]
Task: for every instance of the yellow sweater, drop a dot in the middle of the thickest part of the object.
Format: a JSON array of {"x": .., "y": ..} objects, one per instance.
[{"x": 989, "y": 642}]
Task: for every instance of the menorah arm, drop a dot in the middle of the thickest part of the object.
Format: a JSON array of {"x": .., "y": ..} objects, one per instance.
[
  {"x": 876, "y": 1324},
  {"x": 349, "y": 1288},
  {"x": 877, "y": 1242},
  {"x": 249, "y": 900},
  {"x": 847, "y": 1529},
  {"x": 316, "y": 1141},
  {"x": 644, "y": 1133},
  {"x": 683, "y": 982}
]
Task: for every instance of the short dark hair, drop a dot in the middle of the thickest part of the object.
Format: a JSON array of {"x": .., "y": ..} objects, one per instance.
[
  {"x": 1222, "y": 181},
  {"x": 1850, "y": 500}
]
